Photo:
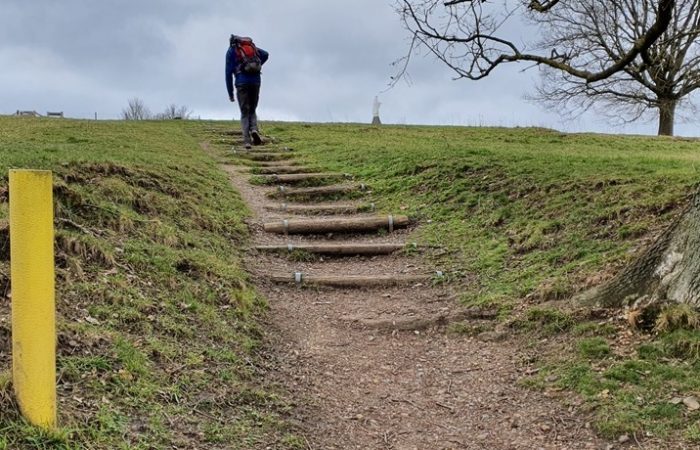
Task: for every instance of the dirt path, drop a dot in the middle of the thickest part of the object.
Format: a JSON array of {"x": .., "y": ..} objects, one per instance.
[{"x": 374, "y": 368}]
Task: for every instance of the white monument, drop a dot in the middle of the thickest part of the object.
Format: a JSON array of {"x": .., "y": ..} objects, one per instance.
[{"x": 375, "y": 112}]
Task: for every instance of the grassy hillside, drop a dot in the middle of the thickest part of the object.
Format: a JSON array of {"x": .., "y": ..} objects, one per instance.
[
  {"x": 523, "y": 219},
  {"x": 526, "y": 211},
  {"x": 157, "y": 324}
]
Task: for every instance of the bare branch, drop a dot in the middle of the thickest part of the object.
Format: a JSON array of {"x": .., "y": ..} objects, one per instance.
[
  {"x": 631, "y": 56},
  {"x": 483, "y": 50},
  {"x": 654, "y": 84}
]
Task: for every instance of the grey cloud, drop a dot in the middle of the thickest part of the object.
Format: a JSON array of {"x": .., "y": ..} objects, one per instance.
[{"x": 328, "y": 61}]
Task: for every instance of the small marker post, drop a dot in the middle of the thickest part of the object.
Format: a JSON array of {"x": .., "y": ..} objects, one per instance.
[{"x": 33, "y": 296}]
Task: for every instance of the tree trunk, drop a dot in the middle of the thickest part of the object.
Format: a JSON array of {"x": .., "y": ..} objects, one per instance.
[
  {"x": 667, "y": 116},
  {"x": 668, "y": 271}
]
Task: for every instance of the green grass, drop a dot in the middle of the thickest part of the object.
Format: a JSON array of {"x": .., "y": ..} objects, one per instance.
[
  {"x": 593, "y": 348},
  {"x": 525, "y": 210},
  {"x": 547, "y": 321},
  {"x": 157, "y": 324},
  {"x": 513, "y": 217},
  {"x": 633, "y": 394},
  {"x": 529, "y": 216}
]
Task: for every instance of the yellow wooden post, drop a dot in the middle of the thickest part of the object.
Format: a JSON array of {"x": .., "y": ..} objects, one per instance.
[{"x": 33, "y": 302}]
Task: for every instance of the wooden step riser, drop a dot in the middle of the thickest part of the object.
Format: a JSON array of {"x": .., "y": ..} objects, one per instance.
[
  {"x": 352, "y": 282},
  {"x": 325, "y": 229},
  {"x": 263, "y": 149},
  {"x": 286, "y": 162},
  {"x": 315, "y": 192},
  {"x": 335, "y": 250},
  {"x": 270, "y": 151},
  {"x": 322, "y": 226},
  {"x": 294, "y": 179},
  {"x": 282, "y": 170},
  {"x": 266, "y": 156},
  {"x": 310, "y": 197},
  {"x": 312, "y": 210}
]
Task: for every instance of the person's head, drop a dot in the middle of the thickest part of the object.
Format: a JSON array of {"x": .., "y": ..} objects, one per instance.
[{"x": 232, "y": 39}]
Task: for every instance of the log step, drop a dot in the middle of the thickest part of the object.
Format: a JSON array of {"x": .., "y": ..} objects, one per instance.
[
  {"x": 281, "y": 170},
  {"x": 284, "y": 162},
  {"x": 358, "y": 281},
  {"x": 283, "y": 192},
  {"x": 266, "y": 156},
  {"x": 301, "y": 177},
  {"x": 335, "y": 250},
  {"x": 276, "y": 151},
  {"x": 269, "y": 150},
  {"x": 321, "y": 209},
  {"x": 322, "y": 226}
]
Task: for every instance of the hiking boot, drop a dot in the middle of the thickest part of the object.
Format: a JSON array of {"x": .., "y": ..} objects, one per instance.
[
  {"x": 257, "y": 140},
  {"x": 248, "y": 146}
]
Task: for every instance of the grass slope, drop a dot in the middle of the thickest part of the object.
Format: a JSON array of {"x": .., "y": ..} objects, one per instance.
[
  {"x": 525, "y": 210},
  {"x": 522, "y": 217},
  {"x": 528, "y": 216},
  {"x": 157, "y": 324}
]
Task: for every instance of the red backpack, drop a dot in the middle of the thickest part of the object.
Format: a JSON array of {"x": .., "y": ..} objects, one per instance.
[{"x": 247, "y": 54}]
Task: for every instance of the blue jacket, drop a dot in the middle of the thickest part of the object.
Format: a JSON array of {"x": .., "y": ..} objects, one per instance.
[{"x": 242, "y": 79}]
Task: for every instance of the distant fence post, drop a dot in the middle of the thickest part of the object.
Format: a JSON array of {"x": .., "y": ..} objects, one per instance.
[{"x": 33, "y": 297}]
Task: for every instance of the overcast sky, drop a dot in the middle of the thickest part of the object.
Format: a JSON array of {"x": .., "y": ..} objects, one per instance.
[{"x": 329, "y": 58}]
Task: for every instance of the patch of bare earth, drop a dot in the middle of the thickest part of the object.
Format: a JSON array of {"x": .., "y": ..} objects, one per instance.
[{"x": 376, "y": 369}]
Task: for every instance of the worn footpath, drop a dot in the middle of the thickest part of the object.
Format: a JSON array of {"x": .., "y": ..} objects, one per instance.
[{"x": 361, "y": 341}]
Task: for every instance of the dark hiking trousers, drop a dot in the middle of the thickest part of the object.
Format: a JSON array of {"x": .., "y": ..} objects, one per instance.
[{"x": 248, "y": 96}]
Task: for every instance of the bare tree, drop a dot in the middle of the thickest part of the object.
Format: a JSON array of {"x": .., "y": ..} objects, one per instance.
[
  {"x": 136, "y": 110},
  {"x": 471, "y": 36},
  {"x": 657, "y": 81},
  {"x": 175, "y": 112}
]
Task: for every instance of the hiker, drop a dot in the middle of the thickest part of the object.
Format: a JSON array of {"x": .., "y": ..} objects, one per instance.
[{"x": 244, "y": 61}]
